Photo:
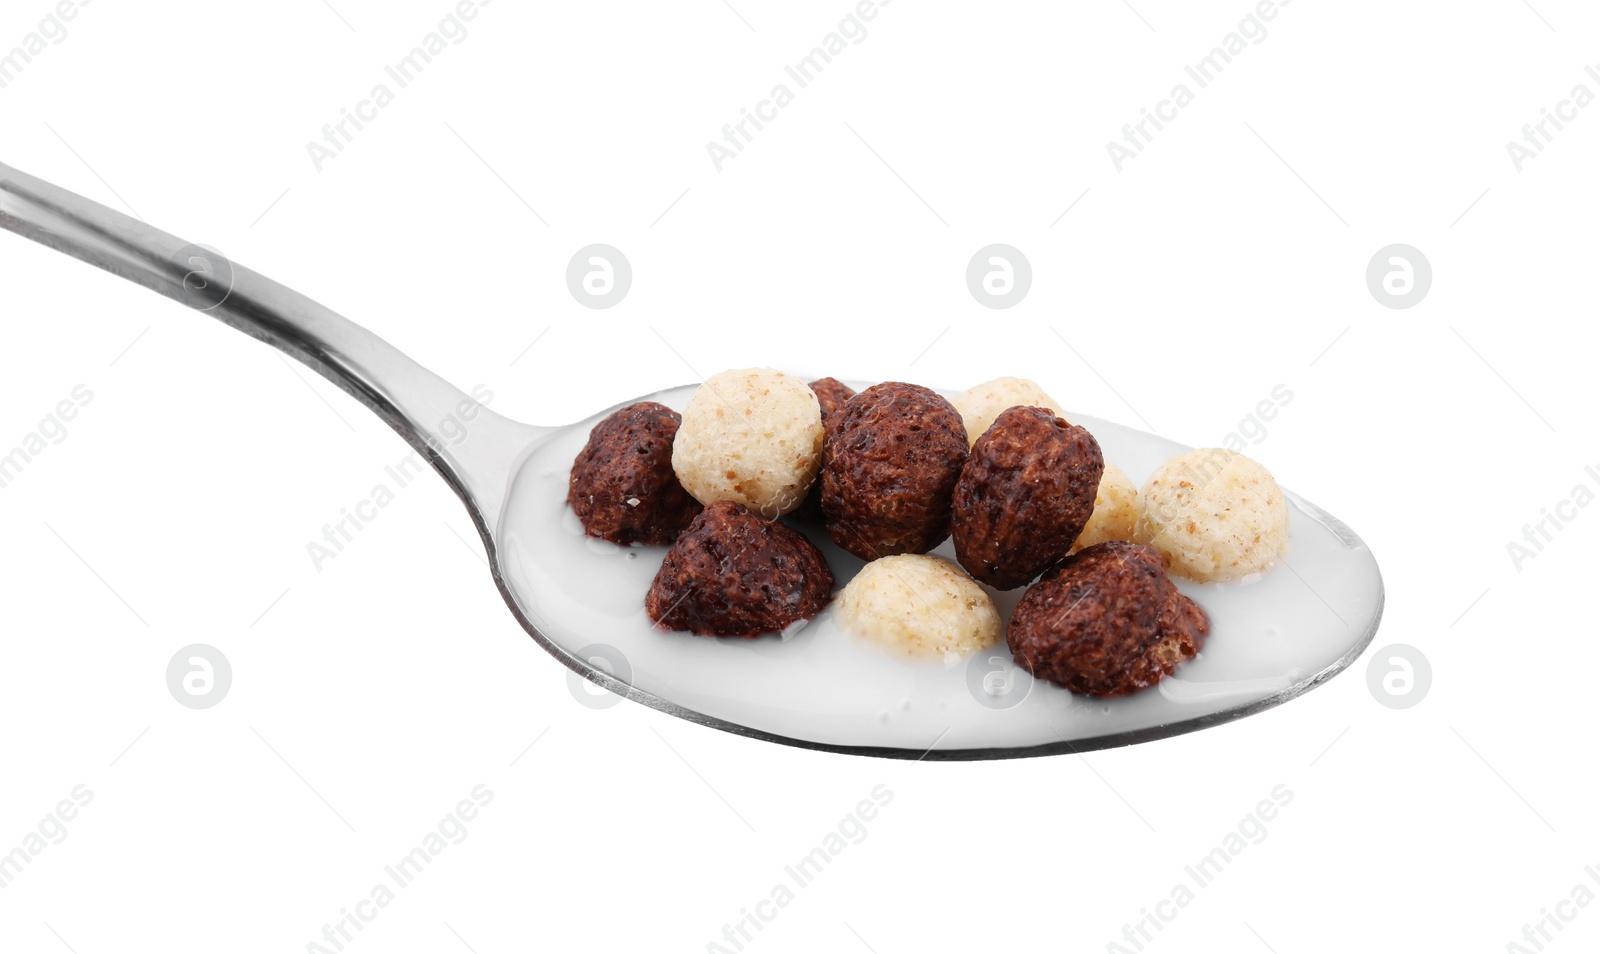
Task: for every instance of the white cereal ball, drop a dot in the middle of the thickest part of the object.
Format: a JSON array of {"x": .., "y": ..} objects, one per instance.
[
  {"x": 1217, "y": 515},
  {"x": 752, "y": 436},
  {"x": 920, "y": 606},
  {"x": 981, "y": 404},
  {"x": 1116, "y": 510}
]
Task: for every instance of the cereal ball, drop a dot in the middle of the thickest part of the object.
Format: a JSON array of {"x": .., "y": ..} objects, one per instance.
[
  {"x": 1116, "y": 510},
  {"x": 1024, "y": 495},
  {"x": 1216, "y": 515},
  {"x": 1106, "y": 622},
  {"x": 622, "y": 486},
  {"x": 831, "y": 395},
  {"x": 736, "y": 573},
  {"x": 919, "y": 606},
  {"x": 889, "y": 466},
  {"x": 981, "y": 404},
  {"x": 753, "y": 437}
]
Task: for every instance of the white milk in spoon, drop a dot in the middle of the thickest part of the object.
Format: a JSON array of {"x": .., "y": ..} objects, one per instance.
[{"x": 1270, "y": 635}]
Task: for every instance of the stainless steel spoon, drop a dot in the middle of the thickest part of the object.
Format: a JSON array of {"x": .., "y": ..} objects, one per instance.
[{"x": 581, "y": 600}]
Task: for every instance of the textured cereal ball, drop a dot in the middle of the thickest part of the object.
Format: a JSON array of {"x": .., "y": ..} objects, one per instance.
[
  {"x": 890, "y": 463},
  {"x": 920, "y": 606},
  {"x": 1025, "y": 494},
  {"x": 1116, "y": 511},
  {"x": 753, "y": 437},
  {"x": 831, "y": 396},
  {"x": 622, "y": 487},
  {"x": 1216, "y": 515},
  {"x": 735, "y": 573},
  {"x": 1106, "y": 622},
  {"x": 981, "y": 404}
]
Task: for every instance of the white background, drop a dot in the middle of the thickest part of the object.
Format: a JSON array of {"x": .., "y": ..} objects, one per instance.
[{"x": 370, "y": 697}]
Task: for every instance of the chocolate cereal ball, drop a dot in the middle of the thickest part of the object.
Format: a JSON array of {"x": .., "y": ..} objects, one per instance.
[
  {"x": 1024, "y": 496},
  {"x": 1106, "y": 622},
  {"x": 753, "y": 437},
  {"x": 1216, "y": 515},
  {"x": 622, "y": 486},
  {"x": 736, "y": 573},
  {"x": 980, "y": 404},
  {"x": 831, "y": 394},
  {"x": 889, "y": 465}
]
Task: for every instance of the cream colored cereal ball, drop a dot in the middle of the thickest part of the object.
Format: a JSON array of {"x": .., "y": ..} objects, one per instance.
[
  {"x": 920, "y": 606},
  {"x": 1116, "y": 510},
  {"x": 981, "y": 404},
  {"x": 1217, "y": 515},
  {"x": 752, "y": 436}
]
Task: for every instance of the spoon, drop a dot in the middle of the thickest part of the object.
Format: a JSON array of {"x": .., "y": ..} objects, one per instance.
[{"x": 1274, "y": 637}]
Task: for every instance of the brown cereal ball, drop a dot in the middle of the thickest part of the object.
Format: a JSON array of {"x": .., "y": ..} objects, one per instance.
[
  {"x": 831, "y": 394},
  {"x": 980, "y": 404},
  {"x": 1216, "y": 515},
  {"x": 1107, "y": 622},
  {"x": 752, "y": 436},
  {"x": 622, "y": 486},
  {"x": 1024, "y": 496},
  {"x": 1116, "y": 511},
  {"x": 889, "y": 465},
  {"x": 735, "y": 573}
]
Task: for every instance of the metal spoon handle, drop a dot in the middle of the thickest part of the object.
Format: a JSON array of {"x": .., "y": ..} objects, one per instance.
[{"x": 473, "y": 448}]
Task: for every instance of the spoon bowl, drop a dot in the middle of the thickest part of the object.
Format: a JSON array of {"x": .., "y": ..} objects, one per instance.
[{"x": 1275, "y": 636}]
